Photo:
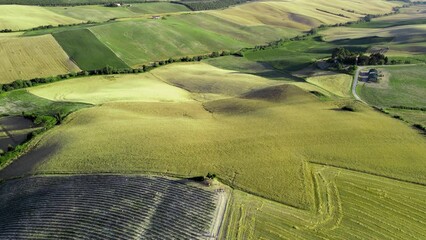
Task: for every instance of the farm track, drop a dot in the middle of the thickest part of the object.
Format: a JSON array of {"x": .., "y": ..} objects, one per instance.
[{"x": 105, "y": 207}]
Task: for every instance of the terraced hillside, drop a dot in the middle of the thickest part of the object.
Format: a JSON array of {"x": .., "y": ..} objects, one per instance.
[
  {"x": 30, "y": 57},
  {"x": 105, "y": 207}
]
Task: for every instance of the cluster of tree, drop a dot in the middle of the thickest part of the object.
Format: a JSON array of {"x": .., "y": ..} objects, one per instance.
[
  {"x": 411, "y": 108},
  {"x": 198, "y": 5},
  {"x": 342, "y": 56},
  {"x": 6, "y": 30},
  {"x": 328, "y": 12}
]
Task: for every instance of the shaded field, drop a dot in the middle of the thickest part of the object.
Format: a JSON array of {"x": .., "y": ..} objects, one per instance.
[
  {"x": 87, "y": 51},
  {"x": 19, "y": 101},
  {"x": 348, "y": 205},
  {"x": 243, "y": 65},
  {"x": 134, "y": 207},
  {"x": 30, "y": 57},
  {"x": 254, "y": 133},
  {"x": 407, "y": 16},
  {"x": 14, "y": 131},
  {"x": 401, "y": 39},
  {"x": 100, "y": 13},
  {"x": 17, "y": 17}
]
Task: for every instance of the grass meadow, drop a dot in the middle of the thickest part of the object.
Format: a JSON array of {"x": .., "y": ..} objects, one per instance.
[
  {"x": 255, "y": 134},
  {"x": 30, "y": 57},
  {"x": 405, "y": 86},
  {"x": 86, "y": 50}
]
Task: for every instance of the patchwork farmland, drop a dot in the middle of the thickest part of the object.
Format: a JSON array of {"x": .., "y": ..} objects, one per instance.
[{"x": 248, "y": 108}]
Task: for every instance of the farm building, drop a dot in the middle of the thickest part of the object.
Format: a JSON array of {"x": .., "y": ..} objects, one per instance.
[{"x": 373, "y": 75}]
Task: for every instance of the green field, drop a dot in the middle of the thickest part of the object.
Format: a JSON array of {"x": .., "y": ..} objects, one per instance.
[
  {"x": 17, "y": 17},
  {"x": 406, "y": 86},
  {"x": 100, "y": 13},
  {"x": 401, "y": 87},
  {"x": 232, "y": 136},
  {"x": 31, "y": 57},
  {"x": 292, "y": 55},
  {"x": 143, "y": 41},
  {"x": 19, "y": 101},
  {"x": 87, "y": 51}
]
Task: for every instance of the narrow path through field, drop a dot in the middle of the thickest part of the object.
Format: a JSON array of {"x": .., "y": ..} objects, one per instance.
[{"x": 355, "y": 83}]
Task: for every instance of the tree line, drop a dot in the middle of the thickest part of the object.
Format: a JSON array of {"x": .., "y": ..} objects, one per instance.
[{"x": 199, "y": 5}]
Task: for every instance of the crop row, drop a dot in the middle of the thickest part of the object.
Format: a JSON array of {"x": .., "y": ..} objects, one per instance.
[{"x": 103, "y": 207}]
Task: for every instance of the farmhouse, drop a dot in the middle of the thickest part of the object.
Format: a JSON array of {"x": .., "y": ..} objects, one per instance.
[
  {"x": 113, "y": 5},
  {"x": 373, "y": 75},
  {"x": 155, "y": 17}
]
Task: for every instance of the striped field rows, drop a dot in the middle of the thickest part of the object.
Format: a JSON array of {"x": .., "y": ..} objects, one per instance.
[{"x": 104, "y": 207}]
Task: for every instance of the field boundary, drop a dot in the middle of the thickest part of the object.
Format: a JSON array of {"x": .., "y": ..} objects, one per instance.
[{"x": 366, "y": 172}]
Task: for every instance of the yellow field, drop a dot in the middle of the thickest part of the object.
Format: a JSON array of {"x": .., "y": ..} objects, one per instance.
[
  {"x": 259, "y": 141},
  {"x": 291, "y": 14},
  {"x": 116, "y": 88},
  {"x": 338, "y": 84},
  {"x": 18, "y": 17},
  {"x": 349, "y": 205},
  {"x": 413, "y": 12},
  {"x": 30, "y": 57}
]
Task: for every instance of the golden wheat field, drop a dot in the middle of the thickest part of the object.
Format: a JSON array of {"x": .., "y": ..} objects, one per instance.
[{"x": 29, "y": 57}]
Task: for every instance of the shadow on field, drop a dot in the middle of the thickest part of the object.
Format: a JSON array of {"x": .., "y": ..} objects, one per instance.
[{"x": 27, "y": 163}]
